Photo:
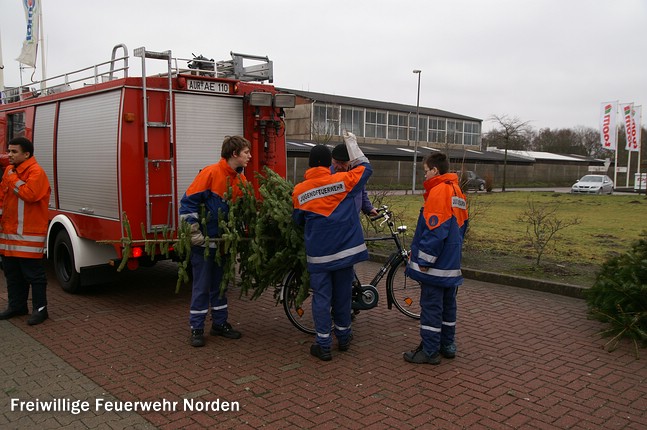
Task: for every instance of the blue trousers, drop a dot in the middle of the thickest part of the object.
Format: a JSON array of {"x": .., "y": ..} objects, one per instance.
[
  {"x": 206, "y": 290},
  {"x": 437, "y": 317},
  {"x": 332, "y": 290},
  {"x": 21, "y": 273}
]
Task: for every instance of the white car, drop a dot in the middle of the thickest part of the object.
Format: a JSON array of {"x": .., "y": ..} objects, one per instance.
[{"x": 593, "y": 184}]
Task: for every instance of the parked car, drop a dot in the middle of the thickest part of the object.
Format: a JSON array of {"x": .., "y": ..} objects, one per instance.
[
  {"x": 471, "y": 181},
  {"x": 593, "y": 184}
]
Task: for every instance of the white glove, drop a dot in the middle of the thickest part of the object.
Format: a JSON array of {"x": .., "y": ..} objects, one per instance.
[
  {"x": 355, "y": 154},
  {"x": 197, "y": 238}
]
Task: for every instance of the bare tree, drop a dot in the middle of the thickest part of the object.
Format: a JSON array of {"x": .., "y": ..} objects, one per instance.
[
  {"x": 496, "y": 138},
  {"x": 510, "y": 129},
  {"x": 322, "y": 133},
  {"x": 589, "y": 138},
  {"x": 542, "y": 225},
  {"x": 324, "y": 130}
]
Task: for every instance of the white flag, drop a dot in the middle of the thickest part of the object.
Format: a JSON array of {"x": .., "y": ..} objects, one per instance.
[
  {"x": 608, "y": 135},
  {"x": 627, "y": 111},
  {"x": 30, "y": 44}
]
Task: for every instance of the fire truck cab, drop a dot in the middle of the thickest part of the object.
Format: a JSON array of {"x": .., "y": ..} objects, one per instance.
[{"x": 121, "y": 150}]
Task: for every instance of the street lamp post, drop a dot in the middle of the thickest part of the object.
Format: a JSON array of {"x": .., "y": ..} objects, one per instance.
[{"x": 415, "y": 150}]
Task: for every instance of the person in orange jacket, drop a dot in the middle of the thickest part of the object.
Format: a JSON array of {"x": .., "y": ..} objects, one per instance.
[
  {"x": 24, "y": 200},
  {"x": 324, "y": 204},
  {"x": 435, "y": 260},
  {"x": 208, "y": 189},
  {"x": 4, "y": 162}
]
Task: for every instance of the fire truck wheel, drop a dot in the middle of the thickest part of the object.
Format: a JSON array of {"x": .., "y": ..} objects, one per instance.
[{"x": 66, "y": 274}]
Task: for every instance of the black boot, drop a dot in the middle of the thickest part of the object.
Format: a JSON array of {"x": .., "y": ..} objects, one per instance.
[
  {"x": 10, "y": 313},
  {"x": 38, "y": 317},
  {"x": 225, "y": 330},
  {"x": 320, "y": 352},
  {"x": 197, "y": 337}
]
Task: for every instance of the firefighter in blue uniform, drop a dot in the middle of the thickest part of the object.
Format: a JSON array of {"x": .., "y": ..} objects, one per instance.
[
  {"x": 436, "y": 260},
  {"x": 334, "y": 241},
  {"x": 208, "y": 189}
]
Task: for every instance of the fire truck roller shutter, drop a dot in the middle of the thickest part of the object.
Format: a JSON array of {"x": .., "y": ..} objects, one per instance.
[
  {"x": 201, "y": 124},
  {"x": 87, "y": 154},
  {"x": 44, "y": 144}
]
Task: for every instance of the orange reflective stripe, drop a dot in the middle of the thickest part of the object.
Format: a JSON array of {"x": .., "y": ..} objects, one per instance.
[
  {"x": 24, "y": 197},
  {"x": 322, "y": 193}
]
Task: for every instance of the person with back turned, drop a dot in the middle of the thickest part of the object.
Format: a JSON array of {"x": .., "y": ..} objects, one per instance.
[{"x": 334, "y": 241}]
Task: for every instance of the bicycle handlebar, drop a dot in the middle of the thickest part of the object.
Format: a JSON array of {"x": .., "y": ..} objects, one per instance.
[
  {"x": 384, "y": 213},
  {"x": 376, "y": 217}
]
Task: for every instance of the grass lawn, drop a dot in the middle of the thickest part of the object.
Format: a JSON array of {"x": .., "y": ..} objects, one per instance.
[{"x": 497, "y": 241}]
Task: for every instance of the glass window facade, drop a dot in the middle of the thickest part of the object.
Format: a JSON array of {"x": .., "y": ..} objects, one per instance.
[
  {"x": 379, "y": 124},
  {"x": 398, "y": 126},
  {"x": 375, "y": 124},
  {"x": 472, "y": 133},
  {"x": 352, "y": 119},
  {"x": 424, "y": 129},
  {"x": 454, "y": 132},
  {"x": 326, "y": 120},
  {"x": 437, "y": 130}
]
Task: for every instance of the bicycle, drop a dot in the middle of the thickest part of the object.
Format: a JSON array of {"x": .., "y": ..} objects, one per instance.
[{"x": 401, "y": 291}]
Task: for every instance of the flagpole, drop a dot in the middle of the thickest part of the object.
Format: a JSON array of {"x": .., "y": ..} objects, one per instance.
[
  {"x": 41, "y": 36},
  {"x": 628, "y": 167},
  {"x": 640, "y": 121},
  {"x": 615, "y": 163},
  {"x": 639, "y": 128},
  {"x": 631, "y": 136},
  {"x": 1, "y": 71}
]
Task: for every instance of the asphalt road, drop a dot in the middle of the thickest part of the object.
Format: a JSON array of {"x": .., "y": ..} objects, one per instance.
[{"x": 540, "y": 189}]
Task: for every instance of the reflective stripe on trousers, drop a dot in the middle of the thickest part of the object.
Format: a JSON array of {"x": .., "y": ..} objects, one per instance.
[{"x": 437, "y": 317}]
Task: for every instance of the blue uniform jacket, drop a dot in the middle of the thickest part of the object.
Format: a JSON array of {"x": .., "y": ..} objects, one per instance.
[
  {"x": 209, "y": 188},
  {"x": 325, "y": 203},
  {"x": 362, "y": 202},
  {"x": 437, "y": 244}
]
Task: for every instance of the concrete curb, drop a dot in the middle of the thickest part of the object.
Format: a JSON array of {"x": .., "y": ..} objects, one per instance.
[
  {"x": 528, "y": 283},
  {"x": 568, "y": 290}
]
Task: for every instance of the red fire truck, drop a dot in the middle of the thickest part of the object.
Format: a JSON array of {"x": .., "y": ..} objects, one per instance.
[{"x": 116, "y": 146}]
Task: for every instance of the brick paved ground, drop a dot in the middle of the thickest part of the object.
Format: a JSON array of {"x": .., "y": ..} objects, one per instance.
[{"x": 527, "y": 359}]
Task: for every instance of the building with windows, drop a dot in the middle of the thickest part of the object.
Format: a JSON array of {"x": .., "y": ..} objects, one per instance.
[
  {"x": 323, "y": 117},
  {"x": 386, "y": 133}
]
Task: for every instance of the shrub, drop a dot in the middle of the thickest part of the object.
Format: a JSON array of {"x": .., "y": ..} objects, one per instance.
[
  {"x": 619, "y": 296},
  {"x": 542, "y": 225},
  {"x": 489, "y": 182}
]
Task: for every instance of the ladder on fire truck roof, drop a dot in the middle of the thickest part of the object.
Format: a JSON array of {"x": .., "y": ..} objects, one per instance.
[
  {"x": 235, "y": 68},
  {"x": 156, "y": 162}
]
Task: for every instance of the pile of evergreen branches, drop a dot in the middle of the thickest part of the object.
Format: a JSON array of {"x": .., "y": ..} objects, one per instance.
[
  {"x": 619, "y": 296},
  {"x": 259, "y": 239}
]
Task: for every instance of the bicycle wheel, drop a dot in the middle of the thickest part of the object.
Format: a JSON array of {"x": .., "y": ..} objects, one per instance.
[
  {"x": 404, "y": 291},
  {"x": 299, "y": 316}
]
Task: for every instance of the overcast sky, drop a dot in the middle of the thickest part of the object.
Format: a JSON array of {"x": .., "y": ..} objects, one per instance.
[{"x": 550, "y": 62}]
